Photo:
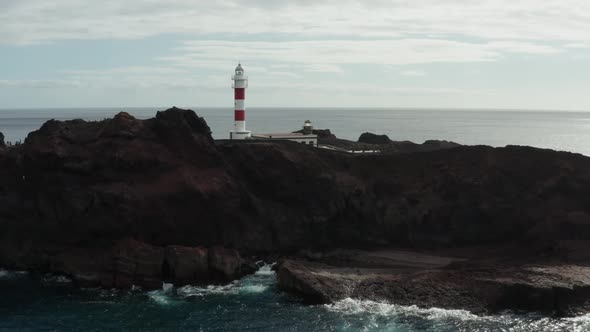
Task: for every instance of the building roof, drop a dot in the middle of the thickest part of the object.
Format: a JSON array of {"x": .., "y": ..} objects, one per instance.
[
  {"x": 284, "y": 135},
  {"x": 239, "y": 67}
]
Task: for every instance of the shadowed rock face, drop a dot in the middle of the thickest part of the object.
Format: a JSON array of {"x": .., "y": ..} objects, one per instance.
[
  {"x": 74, "y": 190},
  {"x": 2, "y": 144}
]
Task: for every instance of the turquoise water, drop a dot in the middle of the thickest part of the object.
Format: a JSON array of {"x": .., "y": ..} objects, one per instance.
[
  {"x": 251, "y": 304},
  {"x": 567, "y": 131}
]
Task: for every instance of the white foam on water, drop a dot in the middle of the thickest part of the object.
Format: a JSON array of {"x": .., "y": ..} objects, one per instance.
[
  {"x": 460, "y": 318},
  {"x": 266, "y": 270},
  {"x": 163, "y": 296},
  {"x": 257, "y": 283},
  {"x": 6, "y": 274},
  {"x": 167, "y": 288},
  {"x": 352, "y": 306},
  {"x": 252, "y": 289},
  {"x": 229, "y": 289},
  {"x": 580, "y": 323},
  {"x": 56, "y": 279}
]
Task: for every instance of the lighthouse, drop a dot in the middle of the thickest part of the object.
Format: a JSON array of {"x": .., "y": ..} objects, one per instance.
[{"x": 239, "y": 86}]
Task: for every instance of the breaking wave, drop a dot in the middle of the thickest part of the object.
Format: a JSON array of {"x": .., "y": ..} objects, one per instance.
[
  {"x": 257, "y": 283},
  {"x": 6, "y": 274},
  {"x": 55, "y": 279},
  {"x": 379, "y": 316},
  {"x": 352, "y": 306}
]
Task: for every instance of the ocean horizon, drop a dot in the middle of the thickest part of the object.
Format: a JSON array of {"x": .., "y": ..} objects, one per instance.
[{"x": 557, "y": 130}]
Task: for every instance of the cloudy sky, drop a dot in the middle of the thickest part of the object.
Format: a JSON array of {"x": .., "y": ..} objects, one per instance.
[{"x": 531, "y": 54}]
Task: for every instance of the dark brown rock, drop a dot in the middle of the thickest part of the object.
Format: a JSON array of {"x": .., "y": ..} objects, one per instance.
[
  {"x": 225, "y": 263},
  {"x": 87, "y": 267},
  {"x": 164, "y": 181},
  {"x": 370, "y": 138},
  {"x": 406, "y": 278},
  {"x": 137, "y": 263},
  {"x": 185, "y": 265}
]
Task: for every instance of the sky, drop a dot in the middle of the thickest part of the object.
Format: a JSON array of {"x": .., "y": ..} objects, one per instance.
[{"x": 511, "y": 54}]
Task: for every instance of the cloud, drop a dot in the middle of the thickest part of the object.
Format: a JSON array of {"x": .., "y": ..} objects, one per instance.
[
  {"x": 38, "y": 21},
  {"x": 577, "y": 45},
  {"x": 414, "y": 73},
  {"x": 40, "y": 84},
  {"x": 332, "y": 55}
]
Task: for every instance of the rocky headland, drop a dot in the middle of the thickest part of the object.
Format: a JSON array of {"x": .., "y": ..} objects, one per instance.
[{"x": 124, "y": 202}]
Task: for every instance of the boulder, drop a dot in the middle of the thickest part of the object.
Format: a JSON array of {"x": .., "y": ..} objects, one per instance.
[
  {"x": 298, "y": 277},
  {"x": 137, "y": 263},
  {"x": 225, "y": 263},
  {"x": 185, "y": 265}
]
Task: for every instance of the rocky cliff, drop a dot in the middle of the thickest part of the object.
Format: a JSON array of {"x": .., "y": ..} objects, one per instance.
[{"x": 114, "y": 200}]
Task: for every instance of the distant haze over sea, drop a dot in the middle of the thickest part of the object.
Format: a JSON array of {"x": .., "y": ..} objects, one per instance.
[{"x": 567, "y": 131}]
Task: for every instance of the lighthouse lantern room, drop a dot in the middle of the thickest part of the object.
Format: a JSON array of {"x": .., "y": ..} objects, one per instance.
[{"x": 240, "y": 85}]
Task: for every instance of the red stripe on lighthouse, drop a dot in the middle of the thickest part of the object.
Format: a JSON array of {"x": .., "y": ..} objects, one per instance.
[
  {"x": 240, "y": 93},
  {"x": 240, "y": 115}
]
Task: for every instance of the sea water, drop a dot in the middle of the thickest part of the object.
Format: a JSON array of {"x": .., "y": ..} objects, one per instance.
[
  {"x": 30, "y": 302},
  {"x": 559, "y": 130}
]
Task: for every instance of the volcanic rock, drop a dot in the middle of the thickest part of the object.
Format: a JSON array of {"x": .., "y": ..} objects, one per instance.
[
  {"x": 137, "y": 263},
  {"x": 184, "y": 265},
  {"x": 78, "y": 191},
  {"x": 409, "y": 278},
  {"x": 226, "y": 263},
  {"x": 370, "y": 138}
]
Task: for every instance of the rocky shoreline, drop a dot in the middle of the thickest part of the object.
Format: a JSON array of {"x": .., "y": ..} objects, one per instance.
[
  {"x": 124, "y": 202},
  {"x": 481, "y": 285}
]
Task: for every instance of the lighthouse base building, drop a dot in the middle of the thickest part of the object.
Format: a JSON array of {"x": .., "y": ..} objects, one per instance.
[
  {"x": 240, "y": 134},
  {"x": 304, "y": 136}
]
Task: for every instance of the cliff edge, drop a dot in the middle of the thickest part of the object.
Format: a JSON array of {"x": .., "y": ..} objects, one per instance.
[{"x": 126, "y": 201}]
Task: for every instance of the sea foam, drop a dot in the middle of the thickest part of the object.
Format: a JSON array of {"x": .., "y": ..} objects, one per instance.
[
  {"x": 7, "y": 274},
  {"x": 445, "y": 319},
  {"x": 257, "y": 283},
  {"x": 352, "y": 306}
]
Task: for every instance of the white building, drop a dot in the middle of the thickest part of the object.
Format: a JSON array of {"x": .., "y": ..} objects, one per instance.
[{"x": 305, "y": 137}]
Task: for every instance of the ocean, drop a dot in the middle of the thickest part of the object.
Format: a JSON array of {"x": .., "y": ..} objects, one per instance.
[
  {"x": 566, "y": 131},
  {"x": 32, "y": 302},
  {"x": 52, "y": 303}
]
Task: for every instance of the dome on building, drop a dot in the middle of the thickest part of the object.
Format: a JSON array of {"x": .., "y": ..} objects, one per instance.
[{"x": 239, "y": 68}]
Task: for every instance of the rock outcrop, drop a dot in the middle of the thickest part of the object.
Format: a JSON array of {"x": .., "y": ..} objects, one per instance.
[
  {"x": 184, "y": 265},
  {"x": 370, "y": 138},
  {"x": 131, "y": 262},
  {"x": 2, "y": 144},
  {"x": 225, "y": 263},
  {"x": 76, "y": 191},
  {"x": 479, "y": 284},
  {"x": 381, "y": 143}
]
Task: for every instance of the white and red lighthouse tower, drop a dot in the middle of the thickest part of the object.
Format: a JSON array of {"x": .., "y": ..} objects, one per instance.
[{"x": 240, "y": 85}]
